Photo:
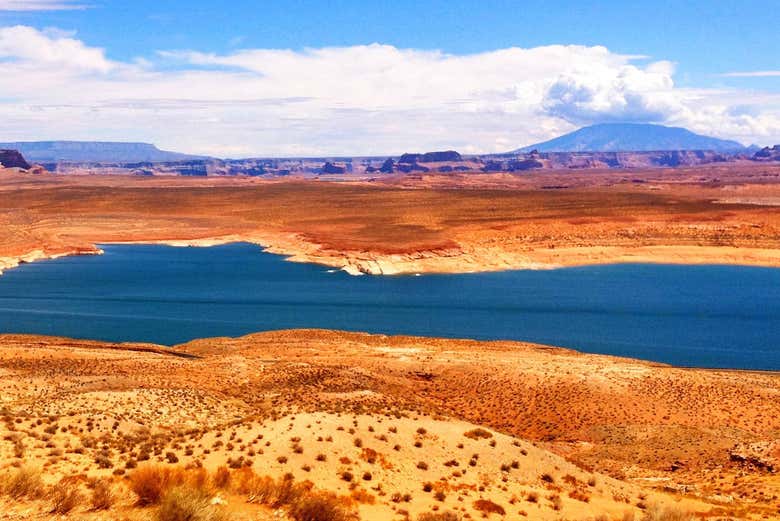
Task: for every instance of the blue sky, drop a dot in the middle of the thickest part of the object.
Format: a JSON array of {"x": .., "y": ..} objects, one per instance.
[{"x": 721, "y": 58}]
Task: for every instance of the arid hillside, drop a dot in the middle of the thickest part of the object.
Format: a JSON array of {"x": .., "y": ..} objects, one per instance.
[{"x": 378, "y": 427}]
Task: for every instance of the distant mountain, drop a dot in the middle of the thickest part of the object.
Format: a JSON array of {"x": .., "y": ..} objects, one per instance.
[
  {"x": 93, "y": 152},
  {"x": 632, "y": 137}
]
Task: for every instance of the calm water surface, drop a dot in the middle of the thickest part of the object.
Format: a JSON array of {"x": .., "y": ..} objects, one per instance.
[{"x": 709, "y": 316}]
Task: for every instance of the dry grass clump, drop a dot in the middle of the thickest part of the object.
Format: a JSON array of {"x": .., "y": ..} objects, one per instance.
[
  {"x": 65, "y": 496},
  {"x": 150, "y": 482},
  {"x": 439, "y": 516},
  {"x": 268, "y": 491},
  {"x": 300, "y": 501},
  {"x": 221, "y": 477},
  {"x": 103, "y": 497},
  {"x": 322, "y": 506},
  {"x": 25, "y": 482},
  {"x": 658, "y": 513},
  {"x": 187, "y": 503}
]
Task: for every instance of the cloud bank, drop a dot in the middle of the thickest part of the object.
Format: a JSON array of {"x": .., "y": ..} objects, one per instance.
[
  {"x": 368, "y": 99},
  {"x": 38, "y": 5}
]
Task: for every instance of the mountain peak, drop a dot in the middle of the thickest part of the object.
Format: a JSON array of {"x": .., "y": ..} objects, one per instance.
[{"x": 632, "y": 137}]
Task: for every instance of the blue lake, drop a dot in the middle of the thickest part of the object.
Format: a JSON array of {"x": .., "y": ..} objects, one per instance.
[{"x": 707, "y": 316}]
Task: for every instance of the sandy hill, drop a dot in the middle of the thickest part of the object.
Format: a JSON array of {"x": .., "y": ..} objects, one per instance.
[{"x": 383, "y": 427}]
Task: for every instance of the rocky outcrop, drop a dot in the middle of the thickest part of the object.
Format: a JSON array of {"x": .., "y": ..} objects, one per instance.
[
  {"x": 764, "y": 455},
  {"x": 411, "y": 167},
  {"x": 524, "y": 164},
  {"x": 431, "y": 157},
  {"x": 13, "y": 159},
  {"x": 388, "y": 167},
  {"x": 767, "y": 154},
  {"x": 332, "y": 168},
  {"x": 588, "y": 160}
]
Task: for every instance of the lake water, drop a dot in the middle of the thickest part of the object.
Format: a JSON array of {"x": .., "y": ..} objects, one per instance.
[{"x": 708, "y": 316}]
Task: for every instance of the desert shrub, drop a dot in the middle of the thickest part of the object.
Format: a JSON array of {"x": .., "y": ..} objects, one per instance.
[
  {"x": 488, "y": 507},
  {"x": 478, "y": 433},
  {"x": 236, "y": 480},
  {"x": 274, "y": 493},
  {"x": 580, "y": 495},
  {"x": 369, "y": 455},
  {"x": 102, "y": 495},
  {"x": 65, "y": 496},
  {"x": 257, "y": 489},
  {"x": 439, "y": 516},
  {"x": 319, "y": 507},
  {"x": 422, "y": 465},
  {"x": 103, "y": 461},
  {"x": 363, "y": 496},
  {"x": 26, "y": 482},
  {"x": 658, "y": 513},
  {"x": 287, "y": 492},
  {"x": 185, "y": 503},
  {"x": 221, "y": 477},
  {"x": 149, "y": 483}
]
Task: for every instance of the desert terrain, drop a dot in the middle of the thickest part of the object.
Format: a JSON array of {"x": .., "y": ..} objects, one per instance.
[
  {"x": 432, "y": 222},
  {"x": 282, "y": 425},
  {"x": 268, "y": 425}
]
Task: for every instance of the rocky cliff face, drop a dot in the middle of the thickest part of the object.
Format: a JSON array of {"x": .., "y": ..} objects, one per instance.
[
  {"x": 431, "y": 157},
  {"x": 13, "y": 159},
  {"x": 768, "y": 154},
  {"x": 585, "y": 160}
]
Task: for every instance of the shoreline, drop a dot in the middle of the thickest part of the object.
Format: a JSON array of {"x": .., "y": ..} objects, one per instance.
[
  {"x": 455, "y": 260},
  {"x": 180, "y": 349},
  {"x": 11, "y": 262}
]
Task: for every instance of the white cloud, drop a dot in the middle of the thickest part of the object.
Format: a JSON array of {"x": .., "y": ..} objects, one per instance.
[
  {"x": 624, "y": 93},
  {"x": 28, "y": 47},
  {"x": 368, "y": 99},
  {"x": 38, "y": 5},
  {"x": 752, "y": 74}
]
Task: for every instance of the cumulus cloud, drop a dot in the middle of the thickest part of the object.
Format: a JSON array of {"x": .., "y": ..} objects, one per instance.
[
  {"x": 626, "y": 93},
  {"x": 39, "y": 5},
  {"x": 365, "y": 99},
  {"x": 28, "y": 47}
]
